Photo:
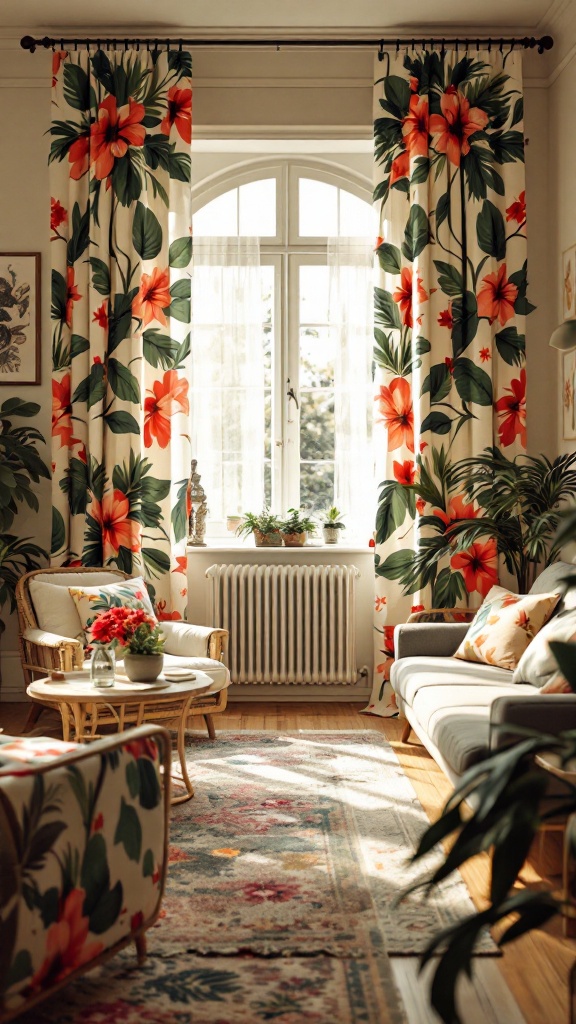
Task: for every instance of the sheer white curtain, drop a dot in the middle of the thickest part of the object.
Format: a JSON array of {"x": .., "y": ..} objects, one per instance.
[
  {"x": 227, "y": 386},
  {"x": 351, "y": 302}
]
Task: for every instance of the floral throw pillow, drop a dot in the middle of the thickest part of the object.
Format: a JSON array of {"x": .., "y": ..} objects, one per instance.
[
  {"x": 504, "y": 626},
  {"x": 125, "y": 594}
]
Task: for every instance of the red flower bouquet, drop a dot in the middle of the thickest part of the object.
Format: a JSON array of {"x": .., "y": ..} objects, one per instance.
[{"x": 129, "y": 628}]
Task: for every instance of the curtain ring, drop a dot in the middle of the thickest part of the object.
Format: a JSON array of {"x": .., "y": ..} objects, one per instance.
[
  {"x": 489, "y": 45},
  {"x": 88, "y": 45},
  {"x": 466, "y": 47},
  {"x": 167, "y": 46},
  {"x": 477, "y": 46},
  {"x": 76, "y": 46},
  {"x": 397, "y": 47},
  {"x": 155, "y": 46},
  {"x": 443, "y": 50},
  {"x": 125, "y": 46},
  {"x": 413, "y": 46},
  {"x": 505, "y": 58},
  {"x": 113, "y": 44},
  {"x": 180, "y": 44},
  {"x": 381, "y": 51}
]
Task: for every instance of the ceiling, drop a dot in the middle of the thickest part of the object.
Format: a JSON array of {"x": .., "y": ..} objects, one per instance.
[{"x": 237, "y": 15}]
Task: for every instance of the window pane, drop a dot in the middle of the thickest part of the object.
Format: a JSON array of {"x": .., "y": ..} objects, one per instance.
[
  {"x": 314, "y": 295},
  {"x": 356, "y": 216},
  {"x": 258, "y": 208},
  {"x": 317, "y": 357},
  {"x": 317, "y": 485},
  {"x": 318, "y": 208},
  {"x": 219, "y": 217},
  {"x": 317, "y": 424}
]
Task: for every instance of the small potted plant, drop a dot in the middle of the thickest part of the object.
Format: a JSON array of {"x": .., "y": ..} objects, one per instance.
[
  {"x": 296, "y": 527},
  {"x": 233, "y": 522},
  {"x": 332, "y": 523},
  {"x": 265, "y": 526},
  {"x": 139, "y": 638}
]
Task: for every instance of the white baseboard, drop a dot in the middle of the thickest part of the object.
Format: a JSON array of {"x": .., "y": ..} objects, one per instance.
[
  {"x": 303, "y": 694},
  {"x": 12, "y": 687}
]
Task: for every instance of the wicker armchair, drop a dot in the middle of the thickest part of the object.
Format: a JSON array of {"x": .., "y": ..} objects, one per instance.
[{"x": 43, "y": 650}]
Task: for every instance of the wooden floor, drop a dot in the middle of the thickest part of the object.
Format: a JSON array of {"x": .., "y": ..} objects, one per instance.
[{"x": 535, "y": 968}]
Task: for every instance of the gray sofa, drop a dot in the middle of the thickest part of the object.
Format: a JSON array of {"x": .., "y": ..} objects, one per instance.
[{"x": 454, "y": 706}]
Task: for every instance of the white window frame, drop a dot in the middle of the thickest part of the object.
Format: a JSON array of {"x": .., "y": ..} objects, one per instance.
[{"x": 286, "y": 252}]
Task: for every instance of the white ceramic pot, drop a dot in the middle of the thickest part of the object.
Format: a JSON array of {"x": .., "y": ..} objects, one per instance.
[
  {"x": 143, "y": 668},
  {"x": 330, "y": 534}
]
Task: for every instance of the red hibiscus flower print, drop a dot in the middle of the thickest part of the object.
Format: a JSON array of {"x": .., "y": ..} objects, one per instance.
[
  {"x": 145, "y": 747},
  {"x": 379, "y": 604},
  {"x": 414, "y": 83},
  {"x": 497, "y": 296},
  {"x": 179, "y": 113},
  {"x": 154, "y": 297},
  {"x": 405, "y": 472},
  {"x": 101, "y": 317},
  {"x": 66, "y": 945},
  {"x": 79, "y": 156},
  {"x": 400, "y": 167},
  {"x": 454, "y": 126},
  {"x": 449, "y": 363},
  {"x": 415, "y": 126},
  {"x": 98, "y": 823},
  {"x": 517, "y": 210},
  {"x": 388, "y": 637},
  {"x": 116, "y": 129},
  {"x": 72, "y": 294},
  {"x": 420, "y": 505},
  {"x": 511, "y": 410},
  {"x": 395, "y": 408},
  {"x": 163, "y": 615},
  {"x": 58, "y": 214},
  {"x": 181, "y": 564},
  {"x": 485, "y": 354},
  {"x": 445, "y": 317},
  {"x": 404, "y": 295},
  {"x": 479, "y": 566},
  {"x": 58, "y": 57},
  {"x": 417, "y": 608},
  {"x": 62, "y": 412},
  {"x": 117, "y": 529},
  {"x": 270, "y": 892},
  {"x": 458, "y": 508},
  {"x": 168, "y": 396}
]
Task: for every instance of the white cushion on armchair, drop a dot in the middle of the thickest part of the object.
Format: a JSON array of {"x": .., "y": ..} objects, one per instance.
[{"x": 187, "y": 645}]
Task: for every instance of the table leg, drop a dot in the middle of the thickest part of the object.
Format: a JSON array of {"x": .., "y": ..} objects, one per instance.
[{"x": 181, "y": 747}]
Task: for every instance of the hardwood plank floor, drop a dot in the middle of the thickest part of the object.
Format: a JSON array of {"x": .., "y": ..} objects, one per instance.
[{"x": 535, "y": 968}]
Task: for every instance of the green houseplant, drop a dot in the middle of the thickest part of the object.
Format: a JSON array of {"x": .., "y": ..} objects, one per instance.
[
  {"x": 296, "y": 527},
  {"x": 519, "y": 509},
  {"x": 332, "y": 522},
  {"x": 265, "y": 526},
  {"x": 20, "y": 468}
]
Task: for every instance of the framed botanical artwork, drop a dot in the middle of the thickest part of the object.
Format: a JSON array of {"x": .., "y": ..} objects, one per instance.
[
  {"x": 568, "y": 393},
  {"x": 19, "y": 318},
  {"x": 569, "y": 283}
]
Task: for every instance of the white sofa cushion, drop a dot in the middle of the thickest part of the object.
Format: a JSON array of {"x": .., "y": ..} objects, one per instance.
[
  {"x": 409, "y": 675},
  {"x": 55, "y": 609},
  {"x": 538, "y": 665}
]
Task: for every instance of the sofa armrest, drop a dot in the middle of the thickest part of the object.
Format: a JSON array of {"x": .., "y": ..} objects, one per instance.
[
  {"x": 43, "y": 638},
  {"x": 546, "y": 712},
  {"x": 434, "y": 639},
  {"x": 189, "y": 641}
]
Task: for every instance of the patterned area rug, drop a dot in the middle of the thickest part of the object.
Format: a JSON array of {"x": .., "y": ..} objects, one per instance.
[{"x": 279, "y": 905}]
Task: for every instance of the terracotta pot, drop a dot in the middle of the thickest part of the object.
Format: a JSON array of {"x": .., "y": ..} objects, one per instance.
[
  {"x": 143, "y": 668},
  {"x": 232, "y": 523},
  {"x": 268, "y": 540},
  {"x": 295, "y": 540}
]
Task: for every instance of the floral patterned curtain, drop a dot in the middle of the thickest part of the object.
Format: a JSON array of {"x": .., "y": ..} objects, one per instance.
[
  {"x": 121, "y": 245},
  {"x": 449, "y": 317}
]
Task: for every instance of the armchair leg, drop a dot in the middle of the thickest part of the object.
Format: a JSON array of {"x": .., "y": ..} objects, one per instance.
[
  {"x": 210, "y": 726},
  {"x": 141, "y": 948},
  {"x": 33, "y": 716},
  {"x": 406, "y": 732}
]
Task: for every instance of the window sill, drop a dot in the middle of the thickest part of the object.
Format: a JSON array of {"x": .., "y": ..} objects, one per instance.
[{"x": 307, "y": 549}]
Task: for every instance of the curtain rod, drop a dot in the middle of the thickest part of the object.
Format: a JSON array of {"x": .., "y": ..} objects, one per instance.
[{"x": 527, "y": 42}]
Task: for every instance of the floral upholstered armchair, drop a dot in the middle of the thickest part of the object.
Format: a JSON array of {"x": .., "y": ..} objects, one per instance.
[{"x": 83, "y": 855}]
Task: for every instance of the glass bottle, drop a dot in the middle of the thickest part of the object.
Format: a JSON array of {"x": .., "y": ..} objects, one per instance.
[{"x": 102, "y": 667}]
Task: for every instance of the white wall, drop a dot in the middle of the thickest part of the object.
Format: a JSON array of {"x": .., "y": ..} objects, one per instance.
[{"x": 320, "y": 95}]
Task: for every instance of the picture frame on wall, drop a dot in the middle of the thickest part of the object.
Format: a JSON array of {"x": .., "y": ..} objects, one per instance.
[
  {"x": 568, "y": 395},
  {"x": 569, "y": 283},
  {"x": 20, "y": 318}
]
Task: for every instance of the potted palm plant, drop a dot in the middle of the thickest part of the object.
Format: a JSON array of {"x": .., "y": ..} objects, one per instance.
[
  {"x": 20, "y": 467},
  {"x": 332, "y": 523},
  {"x": 296, "y": 527},
  {"x": 265, "y": 526}
]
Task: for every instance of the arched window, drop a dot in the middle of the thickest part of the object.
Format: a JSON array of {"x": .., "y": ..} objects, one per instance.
[{"x": 299, "y": 213}]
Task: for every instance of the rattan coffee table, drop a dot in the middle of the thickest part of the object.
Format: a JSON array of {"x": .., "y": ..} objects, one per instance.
[{"x": 85, "y": 709}]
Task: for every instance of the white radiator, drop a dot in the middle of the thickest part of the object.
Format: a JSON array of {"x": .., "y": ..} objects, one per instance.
[{"x": 287, "y": 623}]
